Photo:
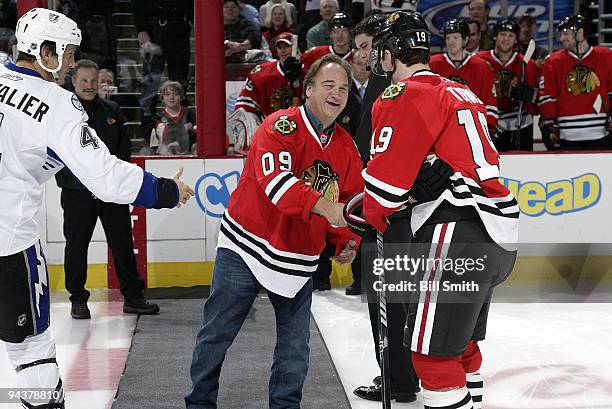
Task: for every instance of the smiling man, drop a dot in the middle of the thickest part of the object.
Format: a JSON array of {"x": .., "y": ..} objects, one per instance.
[
  {"x": 508, "y": 66},
  {"x": 299, "y": 171}
]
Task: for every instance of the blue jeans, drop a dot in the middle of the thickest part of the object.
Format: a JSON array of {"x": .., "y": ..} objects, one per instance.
[{"x": 233, "y": 291}]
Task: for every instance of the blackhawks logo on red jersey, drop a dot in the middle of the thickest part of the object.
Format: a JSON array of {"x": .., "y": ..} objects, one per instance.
[
  {"x": 393, "y": 91},
  {"x": 581, "y": 79},
  {"x": 284, "y": 126},
  {"x": 281, "y": 98},
  {"x": 321, "y": 177},
  {"x": 504, "y": 81},
  {"x": 458, "y": 79}
]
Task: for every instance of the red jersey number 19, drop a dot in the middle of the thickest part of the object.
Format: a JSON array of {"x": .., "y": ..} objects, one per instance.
[{"x": 484, "y": 169}]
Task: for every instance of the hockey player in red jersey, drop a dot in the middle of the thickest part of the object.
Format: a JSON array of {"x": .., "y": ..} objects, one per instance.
[
  {"x": 339, "y": 26},
  {"x": 459, "y": 65},
  {"x": 576, "y": 91},
  {"x": 273, "y": 85},
  {"x": 476, "y": 217},
  {"x": 269, "y": 87},
  {"x": 300, "y": 169},
  {"x": 508, "y": 66}
]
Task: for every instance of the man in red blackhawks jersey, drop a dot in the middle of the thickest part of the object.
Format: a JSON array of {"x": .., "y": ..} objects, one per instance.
[
  {"x": 475, "y": 218},
  {"x": 459, "y": 65},
  {"x": 576, "y": 91},
  {"x": 340, "y": 26},
  {"x": 510, "y": 90},
  {"x": 299, "y": 170},
  {"x": 273, "y": 85},
  {"x": 269, "y": 87}
]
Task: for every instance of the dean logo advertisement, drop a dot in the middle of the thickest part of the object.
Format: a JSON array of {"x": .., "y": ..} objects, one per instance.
[{"x": 557, "y": 197}]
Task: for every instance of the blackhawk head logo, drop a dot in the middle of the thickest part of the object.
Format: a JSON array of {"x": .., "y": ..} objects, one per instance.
[
  {"x": 280, "y": 98},
  {"x": 458, "y": 79},
  {"x": 321, "y": 177},
  {"x": 581, "y": 80},
  {"x": 504, "y": 81}
]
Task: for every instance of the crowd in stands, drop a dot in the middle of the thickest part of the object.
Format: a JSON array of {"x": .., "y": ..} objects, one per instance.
[{"x": 254, "y": 31}]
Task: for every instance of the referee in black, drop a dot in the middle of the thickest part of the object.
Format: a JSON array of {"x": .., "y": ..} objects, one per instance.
[{"x": 82, "y": 209}]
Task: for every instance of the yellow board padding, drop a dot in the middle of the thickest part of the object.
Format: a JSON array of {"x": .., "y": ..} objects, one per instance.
[
  {"x": 562, "y": 268},
  {"x": 526, "y": 270},
  {"x": 97, "y": 276},
  {"x": 161, "y": 275}
]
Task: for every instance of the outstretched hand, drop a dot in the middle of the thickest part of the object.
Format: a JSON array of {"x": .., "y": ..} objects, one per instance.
[
  {"x": 185, "y": 191},
  {"x": 348, "y": 253}
]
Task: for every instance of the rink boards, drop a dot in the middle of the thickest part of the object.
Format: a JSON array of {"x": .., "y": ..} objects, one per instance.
[{"x": 564, "y": 199}]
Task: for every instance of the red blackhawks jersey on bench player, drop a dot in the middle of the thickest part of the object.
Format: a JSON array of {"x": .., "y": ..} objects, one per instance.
[
  {"x": 268, "y": 221},
  {"x": 569, "y": 87},
  {"x": 473, "y": 72},
  {"x": 506, "y": 76},
  {"x": 313, "y": 54},
  {"x": 266, "y": 90},
  {"x": 424, "y": 114}
]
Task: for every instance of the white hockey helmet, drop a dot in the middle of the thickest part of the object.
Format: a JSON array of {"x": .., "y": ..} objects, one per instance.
[{"x": 39, "y": 25}]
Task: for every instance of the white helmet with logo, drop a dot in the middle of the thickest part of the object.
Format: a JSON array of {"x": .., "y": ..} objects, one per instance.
[{"x": 39, "y": 25}]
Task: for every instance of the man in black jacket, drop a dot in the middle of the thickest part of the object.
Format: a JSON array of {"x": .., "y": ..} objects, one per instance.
[
  {"x": 82, "y": 209},
  {"x": 404, "y": 383}
]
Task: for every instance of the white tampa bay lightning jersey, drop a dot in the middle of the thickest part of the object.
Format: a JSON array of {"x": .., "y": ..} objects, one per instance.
[{"x": 43, "y": 127}]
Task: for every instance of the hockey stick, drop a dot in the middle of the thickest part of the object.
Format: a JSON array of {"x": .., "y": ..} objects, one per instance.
[
  {"x": 526, "y": 58},
  {"x": 383, "y": 341}
]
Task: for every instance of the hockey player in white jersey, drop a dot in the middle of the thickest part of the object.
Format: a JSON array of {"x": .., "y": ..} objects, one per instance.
[{"x": 42, "y": 129}]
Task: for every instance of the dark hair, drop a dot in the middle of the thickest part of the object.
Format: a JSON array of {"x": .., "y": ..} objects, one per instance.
[
  {"x": 486, "y": 4},
  {"x": 368, "y": 26},
  {"x": 316, "y": 67},
  {"x": 527, "y": 19},
  {"x": 84, "y": 63},
  {"x": 472, "y": 21},
  {"x": 414, "y": 56},
  {"x": 21, "y": 56}
]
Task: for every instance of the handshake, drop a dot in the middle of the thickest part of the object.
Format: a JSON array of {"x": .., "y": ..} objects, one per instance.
[{"x": 432, "y": 180}]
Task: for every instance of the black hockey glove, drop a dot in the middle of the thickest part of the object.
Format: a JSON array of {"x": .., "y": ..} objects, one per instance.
[
  {"x": 493, "y": 133},
  {"x": 292, "y": 67},
  {"x": 550, "y": 134},
  {"x": 432, "y": 180},
  {"x": 353, "y": 214},
  {"x": 523, "y": 92}
]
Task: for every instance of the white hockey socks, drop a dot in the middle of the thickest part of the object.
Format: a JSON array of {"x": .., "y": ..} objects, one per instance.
[
  {"x": 475, "y": 383},
  {"x": 452, "y": 399},
  {"x": 36, "y": 367}
]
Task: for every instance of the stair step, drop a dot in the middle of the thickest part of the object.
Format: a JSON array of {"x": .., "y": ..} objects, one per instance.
[
  {"x": 127, "y": 43},
  {"x": 125, "y": 31},
  {"x": 122, "y": 6},
  {"x": 123, "y": 19}
]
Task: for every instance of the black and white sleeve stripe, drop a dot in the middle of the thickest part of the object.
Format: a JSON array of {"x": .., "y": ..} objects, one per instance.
[
  {"x": 385, "y": 194},
  {"x": 492, "y": 111},
  {"x": 279, "y": 185},
  {"x": 545, "y": 99},
  {"x": 246, "y": 101}
]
